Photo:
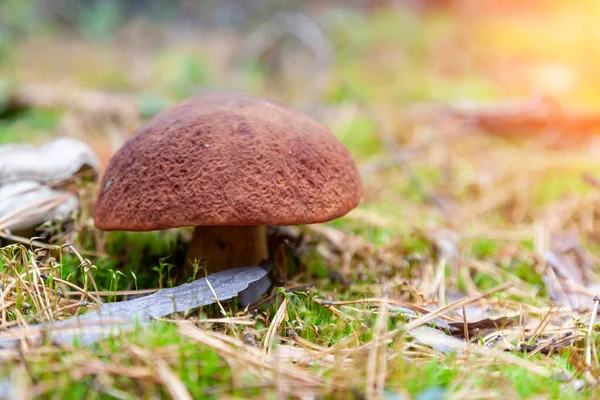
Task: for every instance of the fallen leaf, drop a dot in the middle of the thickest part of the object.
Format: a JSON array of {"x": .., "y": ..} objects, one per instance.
[
  {"x": 437, "y": 340},
  {"x": 481, "y": 327},
  {"x": 300, "y": 355},
  {"x": 569, "y": 265}
]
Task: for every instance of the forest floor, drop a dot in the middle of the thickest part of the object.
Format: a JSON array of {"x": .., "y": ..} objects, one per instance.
[{"x": 468, "y": 271}]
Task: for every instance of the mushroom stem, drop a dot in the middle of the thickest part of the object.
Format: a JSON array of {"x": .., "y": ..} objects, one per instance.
[{"x": 226, "y": 247}]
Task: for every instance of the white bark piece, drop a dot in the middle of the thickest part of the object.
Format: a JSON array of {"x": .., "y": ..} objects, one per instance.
[
  {"x": 56, "y": 160},
  {"x": 27, "y": 204},
  {"x": 111, "y": 319}
]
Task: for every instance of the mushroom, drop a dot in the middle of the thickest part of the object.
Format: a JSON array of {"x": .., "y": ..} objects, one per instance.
[{"x": 227, "y": 164}]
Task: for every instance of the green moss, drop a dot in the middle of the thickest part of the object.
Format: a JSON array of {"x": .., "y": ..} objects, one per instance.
[
  {"x": 30, "y": 126},
  {"x": 558, "y": 184},
  {"x": 360, "y": 136}
]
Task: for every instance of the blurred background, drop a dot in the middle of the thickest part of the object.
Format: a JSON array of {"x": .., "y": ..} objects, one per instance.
[
  {"x": 342, "y": 61},
  {"x": 440, "y": 101},
  {"x": 474, "y": 124}
]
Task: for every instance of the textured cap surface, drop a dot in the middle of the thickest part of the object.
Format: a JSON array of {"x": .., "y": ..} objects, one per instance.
[{"x": 227, "y": 159}]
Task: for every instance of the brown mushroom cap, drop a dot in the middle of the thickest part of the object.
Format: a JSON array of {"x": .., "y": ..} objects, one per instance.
[{"x": 227, "y": 159}]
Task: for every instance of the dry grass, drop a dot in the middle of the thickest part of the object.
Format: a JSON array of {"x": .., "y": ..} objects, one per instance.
[
  {"x": 389, "y": 283},
  {"x": 471, "y": 266}
]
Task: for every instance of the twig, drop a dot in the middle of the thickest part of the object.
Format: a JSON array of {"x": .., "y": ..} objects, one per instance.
[
  {"x": 275, "y": 323},
  {"x": 63, "y": 96},
  {"x": 172, "y": 382},
  {"x": 589, "y": 342},
  {"x": 453, "y": 306},
  {"x": 376, "y": 363}
]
